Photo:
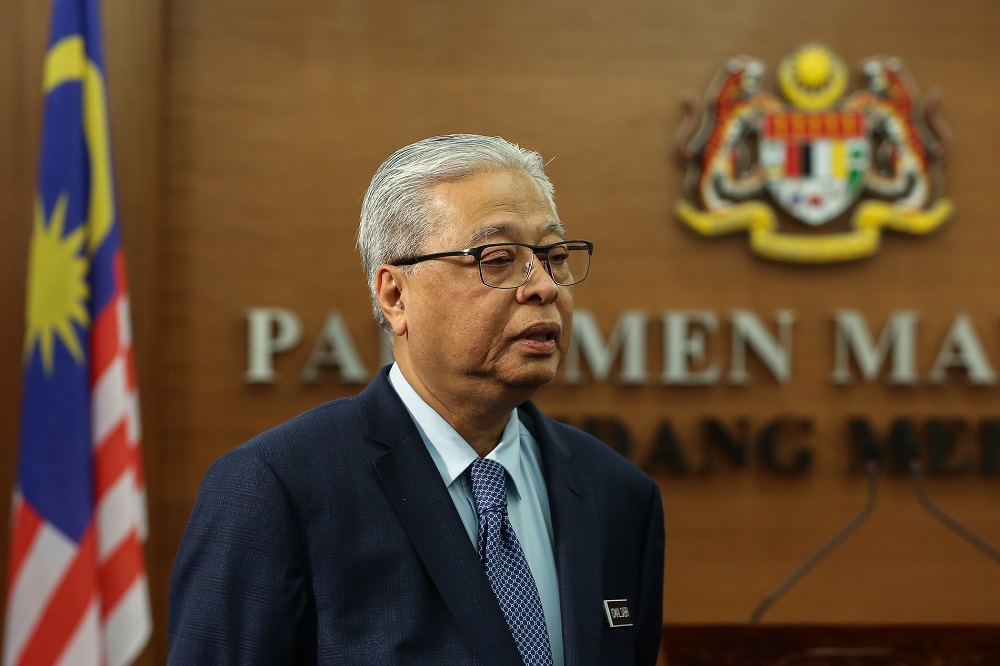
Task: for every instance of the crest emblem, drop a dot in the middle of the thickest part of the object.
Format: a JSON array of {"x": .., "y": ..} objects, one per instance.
[{"x": 870, "y": 160}]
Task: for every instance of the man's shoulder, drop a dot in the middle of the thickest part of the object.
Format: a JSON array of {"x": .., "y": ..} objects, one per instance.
[
  {"x": 301, "y": 443},
  {"x": 334, "y": 432},
  {"x": 343, "y": 416}
]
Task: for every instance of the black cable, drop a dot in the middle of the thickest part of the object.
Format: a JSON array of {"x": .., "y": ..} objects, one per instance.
[
  {"x": 916, "y": 471},
  {"x": 871, "y": 468}
]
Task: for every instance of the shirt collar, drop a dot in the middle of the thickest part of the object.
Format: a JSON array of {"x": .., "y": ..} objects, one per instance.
[{"x": 451, "y": 453}]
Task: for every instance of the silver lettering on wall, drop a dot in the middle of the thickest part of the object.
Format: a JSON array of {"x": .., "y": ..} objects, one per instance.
[
  {"x": 334, "y": 347},
  {"x": 853, "y": 340},
  {"x": 897, "y": 343},
  {"x": 686, "y": 335},
  {"x": 627, "y": 339},
  {"x": 776, "y": 354},
  {"x": 685, "y": 346},
  {"x": 693, "y": 349},
  {"x": 269, "y": 331},
  {"x": 962, "y": 349}
]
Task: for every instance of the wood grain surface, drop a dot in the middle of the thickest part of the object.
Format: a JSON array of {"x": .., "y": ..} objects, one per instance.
[{"x": 245, "y": 134}]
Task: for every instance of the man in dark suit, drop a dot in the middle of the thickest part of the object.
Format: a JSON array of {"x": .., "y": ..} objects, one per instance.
[{"x": 437, "y": 517}]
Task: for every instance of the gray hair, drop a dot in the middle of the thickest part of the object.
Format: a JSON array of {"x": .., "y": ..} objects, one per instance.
[{"x": 395, "y": 220}]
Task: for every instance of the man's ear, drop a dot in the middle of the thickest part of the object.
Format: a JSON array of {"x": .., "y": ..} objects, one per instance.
[{"x": 390, "y": 290}]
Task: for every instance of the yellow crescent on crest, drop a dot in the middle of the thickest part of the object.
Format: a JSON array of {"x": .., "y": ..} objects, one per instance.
[{"x": 812, "y": 78}]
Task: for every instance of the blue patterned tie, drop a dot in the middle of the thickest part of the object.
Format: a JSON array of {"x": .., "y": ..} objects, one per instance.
[{"x": 505, "y": 565}]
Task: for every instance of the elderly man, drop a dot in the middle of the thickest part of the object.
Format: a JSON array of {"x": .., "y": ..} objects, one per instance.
[{"x": 437, "y": 517}]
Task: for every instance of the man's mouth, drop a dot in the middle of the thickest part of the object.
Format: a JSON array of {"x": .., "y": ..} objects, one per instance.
[{"x": 540, "y": 337}]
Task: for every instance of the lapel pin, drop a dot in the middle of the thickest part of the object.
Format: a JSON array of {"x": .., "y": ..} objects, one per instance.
[{"x": 618, "y": 613}]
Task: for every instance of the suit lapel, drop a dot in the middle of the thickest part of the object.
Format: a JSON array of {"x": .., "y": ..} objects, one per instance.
[
  {"x": 577, "y": 550},
  {"x": 428, "y": 515}
]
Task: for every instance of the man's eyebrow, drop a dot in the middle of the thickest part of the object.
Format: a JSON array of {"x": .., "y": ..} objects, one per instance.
[
  {"x": 554, "y": 227},
  {"x": 483, "y": 235}
]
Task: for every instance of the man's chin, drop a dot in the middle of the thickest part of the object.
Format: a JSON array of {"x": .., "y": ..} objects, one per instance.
[{"x": 532, "y": 377}]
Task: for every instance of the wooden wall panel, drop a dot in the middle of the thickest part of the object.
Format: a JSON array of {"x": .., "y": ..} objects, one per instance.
[
  {"x": 134, "y": 43},
  {"x": 22, "y": 40},
  {"x": 243, "y": 156}
]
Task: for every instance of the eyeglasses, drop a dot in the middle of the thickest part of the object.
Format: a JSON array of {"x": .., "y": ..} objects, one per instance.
[{"x": 508, "y": 265}]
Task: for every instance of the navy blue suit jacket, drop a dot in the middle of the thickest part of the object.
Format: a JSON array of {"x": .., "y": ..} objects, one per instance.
[{"x": 331, "y": 539}]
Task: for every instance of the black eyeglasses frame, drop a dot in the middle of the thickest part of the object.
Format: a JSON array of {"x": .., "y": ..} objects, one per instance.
[{"x": 477, "y": 253}]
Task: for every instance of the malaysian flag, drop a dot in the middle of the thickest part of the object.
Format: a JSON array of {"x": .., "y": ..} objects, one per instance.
[{"x": 77, "y": 590}]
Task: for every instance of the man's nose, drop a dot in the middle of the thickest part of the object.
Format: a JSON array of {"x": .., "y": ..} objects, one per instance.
[{"x": 538, "y": 282}]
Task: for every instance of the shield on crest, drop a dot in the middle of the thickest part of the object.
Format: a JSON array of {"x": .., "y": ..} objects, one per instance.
[{"x": 814, "y": 162}]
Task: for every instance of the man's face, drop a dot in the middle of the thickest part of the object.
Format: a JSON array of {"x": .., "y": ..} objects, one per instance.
[{"x": 459, "y": 329}]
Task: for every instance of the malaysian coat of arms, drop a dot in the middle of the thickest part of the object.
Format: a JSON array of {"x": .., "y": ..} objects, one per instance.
[{"x": 843, "y": 169}]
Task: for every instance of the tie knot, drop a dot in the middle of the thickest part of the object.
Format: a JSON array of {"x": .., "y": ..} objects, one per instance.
[{"x": 489, "y": 489}]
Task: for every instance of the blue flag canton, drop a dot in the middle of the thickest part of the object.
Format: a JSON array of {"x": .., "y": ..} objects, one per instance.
[{"x": 71, "y": 273}]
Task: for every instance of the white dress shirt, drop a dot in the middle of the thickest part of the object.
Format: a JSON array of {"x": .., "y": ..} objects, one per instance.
[{"x": 527, "y": 497}]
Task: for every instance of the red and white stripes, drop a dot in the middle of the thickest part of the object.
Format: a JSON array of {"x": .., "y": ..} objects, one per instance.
[{"x": 87, "y": 603}]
